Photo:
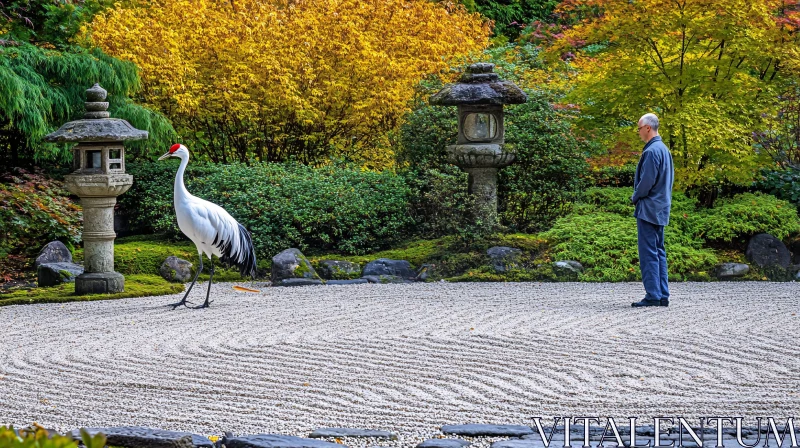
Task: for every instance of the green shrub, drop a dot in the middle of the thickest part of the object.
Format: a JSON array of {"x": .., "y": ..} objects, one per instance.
[
  {"x": 33, "y": 211},
  {"x": 283, "y": 205},
  {"x": 745, "y": 215},
  {"x": 612, "y": 176},
  {"x": 546, "y": 177},
  {"x": 606, "y": 244},
  {"x": 784, "y": 184},
  {"x": 443, "y": 206}
]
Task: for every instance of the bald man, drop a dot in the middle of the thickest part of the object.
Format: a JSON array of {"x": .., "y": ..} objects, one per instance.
[{"x": 652, "y": 197}]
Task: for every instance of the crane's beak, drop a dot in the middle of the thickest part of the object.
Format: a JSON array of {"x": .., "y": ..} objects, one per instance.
[{"x": 164, "y": 156}]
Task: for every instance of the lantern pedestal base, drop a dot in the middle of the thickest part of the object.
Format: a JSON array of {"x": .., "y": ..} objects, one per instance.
[{"x": 99, "y": 283}]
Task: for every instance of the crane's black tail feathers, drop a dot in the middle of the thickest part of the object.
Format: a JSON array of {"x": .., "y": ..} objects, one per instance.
[{"x": 245, "y": 259}]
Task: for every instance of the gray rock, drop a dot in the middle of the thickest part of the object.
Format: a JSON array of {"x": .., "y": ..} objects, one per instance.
[
  {"x": 176, "y": 269},
  {"x": 291, "y": 263},
  {"x": 139, "y": 437},
  {"x": 51, "y": 274},
  {"x": 339, "y": 270},
  {"x": 351, "y": 432},
  {"x": 298, "y": 282},
  {"x": 504, "y": 258},
  {"x": 794, "y": 248},
  {"x": 444, "y": 443},
  {"x": 388, "y": 267},
  {"x": 276, "y": 441},
  {"x": 732, "y": 270},
  {"x": 53, "y": 252},
  {"x": 355, "y": 281},
  {"x": 385, "y": 279},
  {"x": 568, "y": 268},
  {"x": 476, "y": 430},
  {"x": 766, "y": 250}
]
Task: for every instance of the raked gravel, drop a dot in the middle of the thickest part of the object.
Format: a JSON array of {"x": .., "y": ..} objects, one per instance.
[{"x": 404, "y": 358}]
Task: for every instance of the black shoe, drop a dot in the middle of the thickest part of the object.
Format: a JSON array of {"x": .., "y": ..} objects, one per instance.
[{"x": 650, "y": 302}]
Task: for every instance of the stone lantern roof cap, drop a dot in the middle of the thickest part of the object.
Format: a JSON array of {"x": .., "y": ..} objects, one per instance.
[
  {"x": 478, "y": 86},
  {"x": 96, "y": 126}
]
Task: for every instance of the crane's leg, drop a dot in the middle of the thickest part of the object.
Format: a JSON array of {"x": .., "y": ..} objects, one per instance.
[
  {"x": 196, "y": 274},
  {"x": 210, "y": 278}
]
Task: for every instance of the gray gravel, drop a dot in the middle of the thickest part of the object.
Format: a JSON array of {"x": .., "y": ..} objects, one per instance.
[{"x": 406, "y": 358}]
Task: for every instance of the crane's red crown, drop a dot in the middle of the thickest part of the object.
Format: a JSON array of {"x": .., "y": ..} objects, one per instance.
[{"x": 174, "y": 148}]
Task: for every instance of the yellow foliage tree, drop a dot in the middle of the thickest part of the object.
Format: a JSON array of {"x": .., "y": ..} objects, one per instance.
[
  {"x": 276, "y": 79},
  {"x": 711, "y": 69}
]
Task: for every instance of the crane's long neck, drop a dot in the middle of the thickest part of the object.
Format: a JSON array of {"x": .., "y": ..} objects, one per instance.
[{"x": 180, "y": 189}]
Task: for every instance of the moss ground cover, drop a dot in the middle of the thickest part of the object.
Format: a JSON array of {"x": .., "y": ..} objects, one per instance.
[{"x": 136, "y": 285}]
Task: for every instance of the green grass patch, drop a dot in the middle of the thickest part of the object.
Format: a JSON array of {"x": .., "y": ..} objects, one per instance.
[
  {"x": 137, "y": 285},
  {"x": 144, "y": 254}
]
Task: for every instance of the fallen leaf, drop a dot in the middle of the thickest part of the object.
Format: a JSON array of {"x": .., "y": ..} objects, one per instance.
[{"x": 243, "y": 289}]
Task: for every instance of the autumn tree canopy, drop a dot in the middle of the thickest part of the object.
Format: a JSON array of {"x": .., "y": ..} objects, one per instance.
[
  {"x": 710, "y": 69},
  {"x": 287, "y": 78}
]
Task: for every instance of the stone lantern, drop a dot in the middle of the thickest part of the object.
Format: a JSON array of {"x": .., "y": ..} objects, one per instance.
[
  {"x": 480, "y": 95},
  {"x": 98, "y": 177}
]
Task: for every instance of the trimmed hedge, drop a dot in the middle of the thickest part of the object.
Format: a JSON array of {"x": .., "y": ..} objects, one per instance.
[{"x": 334, "y": 208}]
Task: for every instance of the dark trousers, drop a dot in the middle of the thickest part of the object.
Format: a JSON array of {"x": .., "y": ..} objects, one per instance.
[{"x": 652, "y": 259}]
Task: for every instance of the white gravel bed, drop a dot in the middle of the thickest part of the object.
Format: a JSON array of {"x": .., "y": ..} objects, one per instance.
[{"x": 404, "y": 358}]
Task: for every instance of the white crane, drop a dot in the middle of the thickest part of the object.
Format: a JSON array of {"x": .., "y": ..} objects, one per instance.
[{"x": 211, "y": 228}]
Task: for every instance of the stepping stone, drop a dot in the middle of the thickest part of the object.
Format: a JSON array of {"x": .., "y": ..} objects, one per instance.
[
  {"x": 517, "y": 443},
  {"x": 351, "y": 432},
  {"x": 444, "y": 443},
  {"x": 139, "y": 437},
  {"x": 276, "y": 441},
  {"x": 477, "y": 430}
]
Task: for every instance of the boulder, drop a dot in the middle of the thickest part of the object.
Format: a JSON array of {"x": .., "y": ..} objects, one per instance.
[
  {"x": 339, "y": 270},
  {"x": 176, "y": 269},
  {"x": 139, "y": 437},
  {"x": 794, "y": 248},
  {"x": 387, "y": 267},
  {"x": 766, "y": 250},
  {"x": 386, "y": 279},
  {"x": 51, "y": 274},
  {"x": 298, "y": 282},
  {"x": 504, "y": 258},
  {"x": 355, "y": 281},
  {"x": 567, "y": 268},
  {"x": 53, "y": 252},
  {"x": 728, "y": 271},
  {"x": 291, "y": 263}
]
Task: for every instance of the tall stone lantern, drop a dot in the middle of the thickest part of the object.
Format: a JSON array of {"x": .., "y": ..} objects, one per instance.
[
  {"x": 480, "y": 95},
  {"x": 98, "y": 177}
]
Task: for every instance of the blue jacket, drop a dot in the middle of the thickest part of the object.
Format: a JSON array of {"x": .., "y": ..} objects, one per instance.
[{"x": 652, "y": 185}]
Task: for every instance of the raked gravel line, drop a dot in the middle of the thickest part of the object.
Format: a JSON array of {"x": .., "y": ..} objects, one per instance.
[{"x": 406, "y": 358}]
